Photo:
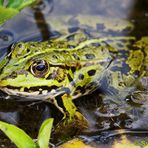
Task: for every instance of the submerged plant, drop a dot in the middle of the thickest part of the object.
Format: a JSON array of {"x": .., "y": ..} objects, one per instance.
[
  {"x": 9, "y": 8},
  {"x": 23, "y": 140}
]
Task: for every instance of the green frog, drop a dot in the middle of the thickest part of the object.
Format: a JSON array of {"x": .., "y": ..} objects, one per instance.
[{"x": 73, "y": 65}]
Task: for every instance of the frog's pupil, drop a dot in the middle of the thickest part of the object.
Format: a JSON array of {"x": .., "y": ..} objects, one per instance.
[{"x": 40, "y": 67}]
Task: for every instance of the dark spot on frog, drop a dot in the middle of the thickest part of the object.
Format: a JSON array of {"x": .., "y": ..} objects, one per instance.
[
  {"x": 81, "y": 89},
  {"x": 16, "y": 64},
  {"x": 92, "y": 85},
  {"x": 19, "y": 45},
  {"x": 123, "y": 40},
  {"x": 88, "y": 64},
  {"x": 73, "y": 29},
  {"x": 73, "y": 69},
  {"x": 70, "y": 38},
  {"x": 65, "y": 51},
  {"x": 73, "y": 22},
  {"x": 12, "y": 76},
  {"x": 25, "y": 56},
  {"x": 21, "y": 72},
  {"x": 50, "y": 76},
  {"x": 70, "y": 46},
  {"x": 32, "y": 45},
  {"x": 28, "y": 50},
  {"x": 73, "y": 83},
  {"x": 75, "y": 93},
  {"x": 15, "y": 74},
  {"x": 69, "y": 77},
  {"x": 76, "y": 57},
  {"x": 95, "y": 44},
  {"x": 81, "y": 76},
  {"x": 54, "y": 56},
  {"x": 120, "y": 45},
  {"x": 121, "y": 84},
  {"x": 126, "y": 30},
  {"x": 90, "y": 56},
  {"x": 55, "y": 34},
  {"x": 100, "y": 26},
  {"x": 136, "y": 74},
  {"x": 91, "y": 72},
  {"x": 66, "y": 90},
  {"x": 109, "y": 41}
]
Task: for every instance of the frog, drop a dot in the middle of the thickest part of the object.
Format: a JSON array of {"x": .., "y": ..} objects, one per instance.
[{"x": 72, "y": 65}]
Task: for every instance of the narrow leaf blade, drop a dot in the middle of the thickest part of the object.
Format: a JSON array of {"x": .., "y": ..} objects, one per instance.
[
  {"x": 44, "y": 133},
  {"x": 26, "y": 3},
  {"x": 7, "y": 13},
  {"x": 13, "y": 7},
  {"x": 14, "y": 3},
  {"x": 17, "y": 136}
]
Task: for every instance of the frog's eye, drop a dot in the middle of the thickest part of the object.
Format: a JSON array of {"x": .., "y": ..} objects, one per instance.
[{"x": 39, "y": 68}]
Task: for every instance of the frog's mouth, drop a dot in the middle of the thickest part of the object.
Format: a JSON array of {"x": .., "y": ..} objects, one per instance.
[
  {"x": 22, "y": 94},
  {"x": 17, "y": 92},
  {"x": 35, "y": 94}
]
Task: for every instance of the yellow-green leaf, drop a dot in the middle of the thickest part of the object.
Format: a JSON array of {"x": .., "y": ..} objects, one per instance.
[
  {"x": 17, "y": 136},
  {"x": 7, "y": 13},
  {"x": 44, "y": 133},
  {"x": 12, "y": 8}
]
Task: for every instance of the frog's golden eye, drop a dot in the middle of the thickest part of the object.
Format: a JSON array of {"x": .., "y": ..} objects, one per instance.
[{"x": 39, "y": 68}]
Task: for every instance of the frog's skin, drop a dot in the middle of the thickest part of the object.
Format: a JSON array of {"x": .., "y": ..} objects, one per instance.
[{"x": 73, "y": 65}]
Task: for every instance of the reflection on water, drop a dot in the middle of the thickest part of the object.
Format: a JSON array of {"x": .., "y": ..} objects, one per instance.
[{"x": 55, "y": 17}]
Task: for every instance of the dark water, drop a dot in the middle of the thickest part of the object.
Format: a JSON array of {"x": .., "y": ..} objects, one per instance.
[{"x": 104, "y": 115}]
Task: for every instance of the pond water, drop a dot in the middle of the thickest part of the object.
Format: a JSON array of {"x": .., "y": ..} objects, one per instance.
[{"x": 48, "y": 20}]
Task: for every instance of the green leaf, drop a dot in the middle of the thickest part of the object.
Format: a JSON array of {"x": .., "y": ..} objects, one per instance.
[
  {"x": 14, "y": 3},
  {"x": 7, "y": 13},
  {"x": 26, "y": 3},
  {"x": 44, "y": 133},
  {"x": 17, "y": 136},
  {"x": 13, "y": 7},
  {"x": 19, "y": 4}
]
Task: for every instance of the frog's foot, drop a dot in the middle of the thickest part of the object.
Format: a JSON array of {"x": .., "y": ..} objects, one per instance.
[{"x": 68, "y": 127}]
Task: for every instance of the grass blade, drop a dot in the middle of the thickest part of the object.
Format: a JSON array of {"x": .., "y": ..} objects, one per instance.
[
  {"x": 44, "y": 133},
  {"x": 17, "y": 136},
  {"x": 14, "y": 3},
  {"x": 13, "y": 7}
]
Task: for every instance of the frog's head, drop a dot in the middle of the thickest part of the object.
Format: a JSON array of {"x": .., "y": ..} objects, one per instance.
[
  {"x": 32, "y": 68},
  {"x": 51, "y": 68}
]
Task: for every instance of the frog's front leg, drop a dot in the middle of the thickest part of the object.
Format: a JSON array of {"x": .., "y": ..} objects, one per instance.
[
  {"x": 69, "y": 106},
  {"x": 71, "y": 114},
  {"x": 72, "y": 122}
]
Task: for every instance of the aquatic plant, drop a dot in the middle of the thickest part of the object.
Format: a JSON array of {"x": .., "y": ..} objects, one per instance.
[
  {"x": 10, "y": 8},
  {"x": 23, "y": 140}
]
